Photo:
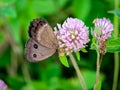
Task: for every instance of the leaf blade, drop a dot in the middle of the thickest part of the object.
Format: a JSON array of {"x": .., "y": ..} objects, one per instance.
[
  {"x": 63, "y": 60},
  {"x": 113, "y": 45},
  {"x": 77, "y": 55}
]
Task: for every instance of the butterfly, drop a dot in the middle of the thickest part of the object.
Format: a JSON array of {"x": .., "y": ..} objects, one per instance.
[{"x": 42, "y": 42}]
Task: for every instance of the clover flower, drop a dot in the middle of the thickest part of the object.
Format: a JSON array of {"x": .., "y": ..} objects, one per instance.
[
  {"x": 103, "y": 28},
  {"x": 3, "y": 86},
  {"x": 72, "y": 35},
  {"x": 102, "y": 31}
]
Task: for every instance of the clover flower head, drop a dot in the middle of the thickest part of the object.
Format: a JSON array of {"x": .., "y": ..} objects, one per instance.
[
  {"x": 103, "y": 28},
  {"x": 3, "y": 86},
  {"x": 72, "y": 35}
]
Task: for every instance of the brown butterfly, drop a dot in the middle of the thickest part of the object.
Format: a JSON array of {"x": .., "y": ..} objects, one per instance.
[{"x": 42, "y": 42}]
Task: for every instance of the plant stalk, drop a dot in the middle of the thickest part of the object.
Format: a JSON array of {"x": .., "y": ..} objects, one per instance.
[
  {"x": 116, "y": 54},
  {"x": 98, "y": 70},
  {"x": 84, "y": 87}
]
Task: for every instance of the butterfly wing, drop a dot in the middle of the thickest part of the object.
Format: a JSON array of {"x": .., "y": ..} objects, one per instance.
[
  {"x": 37, "y": 52},
  {"x": 46, "y": 37},
  {"x": 41, "y": 31}
]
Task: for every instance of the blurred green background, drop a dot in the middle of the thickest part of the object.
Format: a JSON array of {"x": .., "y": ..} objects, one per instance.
[{"x": 50, "y": 74}]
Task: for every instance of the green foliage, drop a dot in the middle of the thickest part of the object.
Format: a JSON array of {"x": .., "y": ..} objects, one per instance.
[
  {"x": 63, "y": 60},
  {"x": 64, "y": 84},
  {"x": 93, "y": 44},
  {"x": 46, "y": 74},
  {"x": 116, "y": 12},
  {"x": 89, "y": 77},
  {"x": 15, "y": 27},
  {"x": 113, "y": 45},
  {"x": 81, "y": 8},
  {"x": 5, "y": 58},
  {"x": 84, "y": 50},
  {"x": 15, "y": 82},
  {"x": 77, "y": 55},
  {"x": 8, "y": 12},
  {"x": 43, "y": 6},
  {"x": 6, "y": 2}
]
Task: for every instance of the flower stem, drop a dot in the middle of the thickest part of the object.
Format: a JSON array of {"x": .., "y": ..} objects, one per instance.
[
  {"x": 78, "y": 72},
  {"x": 116, "y": 54},
  {"x": 99, "y": 61}
]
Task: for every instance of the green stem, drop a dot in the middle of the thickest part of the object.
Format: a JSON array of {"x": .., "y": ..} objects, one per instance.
[
  {"x": 116, "y": 71},
  {"x": 84, "y": 87},
  {"x": 116, "y": 54},
  {"x": 101, "y": 57},
  {"x": 98, "y": 70}
]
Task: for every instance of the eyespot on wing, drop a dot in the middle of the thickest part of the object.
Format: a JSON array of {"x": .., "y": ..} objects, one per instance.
[{"x": 36, "y": 52}]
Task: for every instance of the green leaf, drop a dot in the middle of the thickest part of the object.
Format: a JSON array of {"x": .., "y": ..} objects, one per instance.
[
  {"x": 116, "y": 12},
  {"x": 78, "y": 55},
  {"x": 83, "y": 50},
  {"x": 93, "y": 40},
  {"x": 63, "y": 60},
  {"x": 81, "y": 8},
  {"x": 99, "y": 85},
  {"x": 93, "y": 47},
  {"x": 113, "y": 45}
]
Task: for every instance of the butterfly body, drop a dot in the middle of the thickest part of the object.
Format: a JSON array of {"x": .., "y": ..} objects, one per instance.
[{"x": 42, "y": 42}]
